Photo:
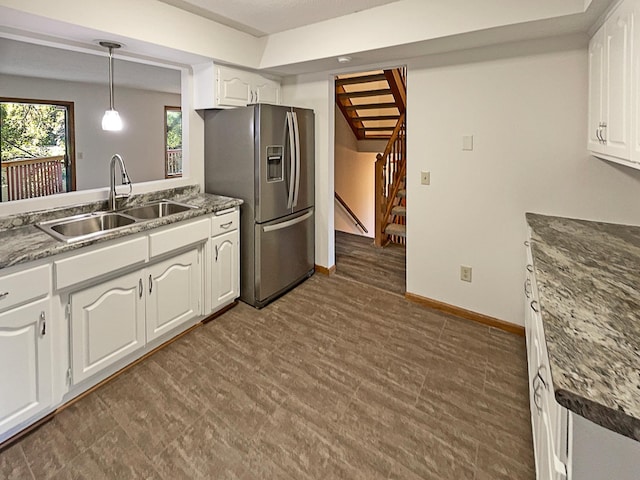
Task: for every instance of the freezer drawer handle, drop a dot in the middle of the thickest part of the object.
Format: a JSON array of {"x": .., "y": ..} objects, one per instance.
[
  {"x": 279, "y": 226},
  {"x": 226, "y": 225}
]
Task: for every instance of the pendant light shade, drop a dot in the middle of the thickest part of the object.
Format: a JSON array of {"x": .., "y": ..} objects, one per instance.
[{"x": 111, "y": 120}]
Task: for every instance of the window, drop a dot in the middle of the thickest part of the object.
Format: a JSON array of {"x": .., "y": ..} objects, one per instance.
[
  {"x": 36, "y": 148},
  {"x": 173, "y": 142}
]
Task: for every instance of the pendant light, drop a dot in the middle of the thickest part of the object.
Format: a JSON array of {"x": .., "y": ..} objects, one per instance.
[{"x": 111, "y": 120}]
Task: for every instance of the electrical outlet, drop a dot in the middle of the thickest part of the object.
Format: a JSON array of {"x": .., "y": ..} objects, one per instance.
[
  {"x": 467, "y": 142},
  {"x": 465, "y": 273},
  {"x": 425, "y": 178}
]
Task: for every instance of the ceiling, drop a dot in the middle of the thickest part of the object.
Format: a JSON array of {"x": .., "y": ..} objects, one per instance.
[
  {"x": 264, "y": 17},
  {"x": 32, "y": 60}
]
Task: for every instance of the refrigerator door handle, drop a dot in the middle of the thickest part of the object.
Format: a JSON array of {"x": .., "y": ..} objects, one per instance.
[
  {"x": 288, "y": 223},
  {"x": 292, "y": 155},
  {"x": 297, "y": 142}
]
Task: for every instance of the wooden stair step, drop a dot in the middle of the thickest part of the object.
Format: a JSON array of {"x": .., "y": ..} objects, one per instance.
[
  {"x": 365, "y": 93},
  {"x": 378, "y": 77},
  {"x": 370, "y": 106},
  {"x": 399, "y": 210},
  {"x": 377, "y": 117},
  {"x": 396, "y": 229},
  {"x": 402, "y": 193}
]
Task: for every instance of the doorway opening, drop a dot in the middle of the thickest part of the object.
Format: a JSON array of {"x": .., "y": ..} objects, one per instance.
[{"x": 369, "y": 167}]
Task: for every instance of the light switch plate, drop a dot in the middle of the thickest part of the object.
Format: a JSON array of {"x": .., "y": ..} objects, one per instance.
[
  {"x": 467, "y": 142},
  {"x": 425, "y": 178}
]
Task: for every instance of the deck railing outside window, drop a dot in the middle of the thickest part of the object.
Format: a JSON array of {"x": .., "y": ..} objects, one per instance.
[
  {"x": 174, "y": 162},
  {"x": 34, "y": 177}
]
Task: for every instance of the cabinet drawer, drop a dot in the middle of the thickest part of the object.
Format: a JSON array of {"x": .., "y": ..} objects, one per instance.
[
  {"x": 177, "y": 237},
  {"x": 20, "y": 287},
  {"x": 225, "y": 223},
  {"x": 86, "y": 266}
]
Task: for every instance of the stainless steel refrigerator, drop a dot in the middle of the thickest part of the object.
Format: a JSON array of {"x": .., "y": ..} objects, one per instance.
[{"x": 264, "y": 154}]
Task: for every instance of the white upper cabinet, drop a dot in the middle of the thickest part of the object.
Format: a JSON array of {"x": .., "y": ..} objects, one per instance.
[
  {"x": 613, "y": 92},
  {"x": 219, "y": 86},
  {"x": 596, "y": 91}
]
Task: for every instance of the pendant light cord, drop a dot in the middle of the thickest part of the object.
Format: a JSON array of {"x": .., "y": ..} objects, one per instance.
[{"x": 111, "y": 78}]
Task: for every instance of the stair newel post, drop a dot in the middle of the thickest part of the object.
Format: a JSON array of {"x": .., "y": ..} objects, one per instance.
[{"x": 379, "y": 202}]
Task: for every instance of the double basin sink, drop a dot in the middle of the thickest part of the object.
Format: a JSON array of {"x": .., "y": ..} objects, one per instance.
[{"x": 91, "y": 225}]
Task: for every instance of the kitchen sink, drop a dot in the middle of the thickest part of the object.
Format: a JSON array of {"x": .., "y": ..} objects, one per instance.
[
  {"x": 91, "y": 225},
  {"x": 159, "y": 209},
  {"x": 82, "y": 227}
]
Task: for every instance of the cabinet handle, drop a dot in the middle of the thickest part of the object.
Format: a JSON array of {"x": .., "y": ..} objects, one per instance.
[
  {"x": 530, "y": 268},
  {"x": 602, "y": 131},
  {"x": 534, "y": 306},
  {"x": 43, "y": 324},
  {"x": 226, "y": 225},
  {"x": 216, "y": 253},
  {"x": 150, "y": 284},
  {"x": 140, "y": 288},
  {"x": 526, "y": 243},
  {"x": 598, "y": 133},
  {"x": 3, "y": 295},
  {"x": 527, "y": 288}
]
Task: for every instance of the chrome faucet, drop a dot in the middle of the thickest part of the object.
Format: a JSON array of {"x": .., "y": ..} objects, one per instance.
[{"x": 113, "y": 196}]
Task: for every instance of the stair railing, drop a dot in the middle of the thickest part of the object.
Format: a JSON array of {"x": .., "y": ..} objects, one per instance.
[
  {"x": 390, "y": 168},
  {"x": 351, "y": 213}
]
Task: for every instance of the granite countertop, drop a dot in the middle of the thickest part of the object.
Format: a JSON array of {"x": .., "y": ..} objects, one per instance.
[
  {"x": 21, "y": 241},
  {"x": 588, "y": 279}
]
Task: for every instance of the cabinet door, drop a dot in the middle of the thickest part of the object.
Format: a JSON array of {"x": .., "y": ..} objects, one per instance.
[
  {"x": 617, "y": 105},
  {"x": 233, "y": 87},
  {"x": 107, "y": 324},
  {"x": 226, "y": 262},
  {"x": 174, "y": 289},
  {"x": 267, "y": 91},
  {"x": 596, "y": 90},
  {"x": 25, "y": 363}
]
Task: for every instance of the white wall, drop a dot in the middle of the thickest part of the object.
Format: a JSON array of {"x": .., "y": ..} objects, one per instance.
[
  {"x": 526, "y": 105},
  {"x": 528, "y": 118},
  {"x": 354, "y": 180},
  {"x": 141, "y": 142},
  {"x": 316, "y": 91}
]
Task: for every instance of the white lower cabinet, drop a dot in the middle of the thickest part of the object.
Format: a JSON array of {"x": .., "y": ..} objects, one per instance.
[
  {"x": 567, "y": 446},
  {"x": 225, "y": 272},
  {"x": 69, "y": 324},
  {"x": 107, "y": 324},
  {"x": 25, "y": 363},
  {"x": 174, "y": 289},
  {"x": 113, "y": 319}
]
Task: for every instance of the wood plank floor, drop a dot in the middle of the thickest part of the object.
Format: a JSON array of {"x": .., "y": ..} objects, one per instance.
[
  {"x": 359, "y": 259},
  {"x": 332, "y": 381}
]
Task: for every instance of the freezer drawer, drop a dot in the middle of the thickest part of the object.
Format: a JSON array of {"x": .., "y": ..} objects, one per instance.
[{"x": 284, "y": 252}]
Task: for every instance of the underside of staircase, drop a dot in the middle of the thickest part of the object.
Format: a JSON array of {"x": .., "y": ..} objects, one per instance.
[{"x": 374, "y": 104}]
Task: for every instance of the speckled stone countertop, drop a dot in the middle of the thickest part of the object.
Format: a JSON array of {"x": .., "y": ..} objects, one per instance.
[
  {"x": 588, "y": 279},
  {"x": 21, "y": 241}
]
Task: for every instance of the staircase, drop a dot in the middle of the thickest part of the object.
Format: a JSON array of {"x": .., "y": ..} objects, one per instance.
[{"x": 374, "y": 105}]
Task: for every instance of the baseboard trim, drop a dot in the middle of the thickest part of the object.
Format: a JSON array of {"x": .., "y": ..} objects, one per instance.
[
  {"x": 466, "y": 314},
  {"x": 324, "y": 270}
]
